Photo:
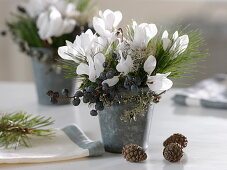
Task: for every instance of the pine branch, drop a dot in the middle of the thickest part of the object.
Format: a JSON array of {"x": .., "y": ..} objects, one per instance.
[
  {"x": 16, "y": 129},
  {"x": 82, "y": 5},
  {"x": 184, "y": 63},
  {"x": 25, "y": 30}
]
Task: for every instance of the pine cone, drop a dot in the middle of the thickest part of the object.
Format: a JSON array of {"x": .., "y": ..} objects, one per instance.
[
  {"x": 173, "y": 152},
  {"x": 176, "y": 138},
  {"x": 134, "y": 153}
]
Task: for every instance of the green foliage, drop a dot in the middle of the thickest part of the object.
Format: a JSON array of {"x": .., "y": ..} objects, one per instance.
[
  {"x": 16, "y": 129},
  {"x": 25, "y": 30},
  {"x": 68, "y": 67},
  {"x": 82, "y": 5},
  {"x": 183, "y": 64}
]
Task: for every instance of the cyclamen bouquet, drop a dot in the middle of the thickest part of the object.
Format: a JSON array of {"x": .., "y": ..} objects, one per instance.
[
  {"x": 118, "y": 68},
  {"x": 48, "y": 23}
]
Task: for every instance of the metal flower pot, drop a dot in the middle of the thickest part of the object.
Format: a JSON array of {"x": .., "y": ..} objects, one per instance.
[
  {"x": 117, "y": 133},
  {"x": 48, "y": 79}
]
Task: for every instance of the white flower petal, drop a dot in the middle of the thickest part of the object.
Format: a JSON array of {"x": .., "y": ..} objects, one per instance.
[
  {"x": 92, "y": 71},
  {"x": 68, "y": 26},
  {"x": 62, "y": 52},
  {"x": 159, "y": 82},
  {"x": 129, "y": 63},
  {"x": 151, "y": 31},
  {"x": 42, "y": 25},
  {"x": 109, "y": 18},
  {"x": 139, "y": 37},
  {"x": 55, "y": 22},
  {"x": 118, "y": 18},
  {"x": 99, "y": 59},
  {"x": 165, "y": 34},
  {"x": 99, "y": 26},
  {"x": 175, "y": 36},
  {"x": 82, "y": 69},
  {"x": 166, "y": 42},
  {"x": 150, "y": 64},
  {"x": 184, "y": 40},
  {"x": 111, "y": 82},
  {"x": 134, "y": 25},
  {"x": 143, "y": 33},
  {"x": 125, "y": 66}
]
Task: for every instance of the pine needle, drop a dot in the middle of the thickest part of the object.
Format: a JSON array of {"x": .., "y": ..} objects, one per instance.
[{"x": 16, "y": 129}]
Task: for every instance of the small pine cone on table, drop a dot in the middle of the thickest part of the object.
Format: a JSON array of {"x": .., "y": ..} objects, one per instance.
[
  {"x": 134, "y": 153},
  {"x": 176, "y": 138},
  {"x": 173, "y": 152}
]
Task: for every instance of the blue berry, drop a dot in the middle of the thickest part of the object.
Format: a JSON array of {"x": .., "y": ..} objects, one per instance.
[
  {"x": 129, "y": 78},
  {"x": 116, "y": 103},
  {"x": 105, "y": 87},
  {"x": 76, "y": 101},
  {"x": 105, "y": 64},
  {"x": 126, "y": 85},
  {"x": 98, "y": 81},
  {"x": 21, "y": 9},
  {"x": 50, "y": 93},
  {"x": 3, "y": 33},
  {"x": 85, "y": 99},
  {"x": 99, "y": 106},
  {"x": 112, "y": 93},
  {"x": 79, "y": 94},
  {"x": 137, "y": 81},
  {"x": 53, "y": 100},
  {"x": 93, "y": 113},
  {"x": 87, "y": 94},
  {"x": 114, "y": 56},
  {"x": 56, "y": 94},
  {"x": 134, "y": 88},
  {"x": 92, "y": 100},
  {"x": 102, "y": 76},
  {"x": 65, "y": 92},
  {"x": 90, "y": 89},
  {"x": 109, "y": 75}
]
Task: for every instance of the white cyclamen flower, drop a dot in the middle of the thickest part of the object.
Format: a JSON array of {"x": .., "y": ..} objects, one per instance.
[
  {"x": 106, "y": 25},
  {"x": 150, "y": 64},
  {"x": 93, "y": 68},
  {"x": 36, "y": 7},
  {"x": 143, "y": 33},
  {"x": 112, "y": 81},
  {"x": 86, "y": 44},
  {"x": 125, "y": 65},
  {"x": 51, "y": 23},
  {"x": 180, "y": 44},
  {"x": 159, "y": 82}
]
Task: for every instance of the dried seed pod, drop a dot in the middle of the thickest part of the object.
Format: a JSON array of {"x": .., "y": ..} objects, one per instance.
[
  {"x": 176, "y": 138},
  {"x": 134, "y": 153},
  {"x": 173, "y": 152}
]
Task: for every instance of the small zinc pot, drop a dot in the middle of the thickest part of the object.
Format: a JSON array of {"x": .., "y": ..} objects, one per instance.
[
  {"x": 48, "y": 78},
  {"x": 117, "y": 133}
]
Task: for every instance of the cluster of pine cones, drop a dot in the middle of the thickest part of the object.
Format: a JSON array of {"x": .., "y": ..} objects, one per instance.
[
  {"x": 172, "y": 152},
  {"x": 174, "y": 145}
]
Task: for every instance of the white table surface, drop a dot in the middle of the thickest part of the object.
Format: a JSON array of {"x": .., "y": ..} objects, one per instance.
[{"x": 206, "y": 130}]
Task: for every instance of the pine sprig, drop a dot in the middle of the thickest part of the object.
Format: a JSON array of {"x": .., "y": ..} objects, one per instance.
[
  {"x": 25, "y": 30},
  {"x": 16, "y": 129},
  {"x": 186, "y": 62}
]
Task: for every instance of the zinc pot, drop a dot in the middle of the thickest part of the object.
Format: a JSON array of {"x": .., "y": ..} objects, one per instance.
[
  {"x": 117, "y": 133},
  {"x": 46, "y": 78}
]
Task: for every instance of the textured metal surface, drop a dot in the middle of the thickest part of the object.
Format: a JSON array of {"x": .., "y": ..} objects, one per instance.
[
  {"x": 46, "y": 81},
  {"x": 116, "y": 133}
]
